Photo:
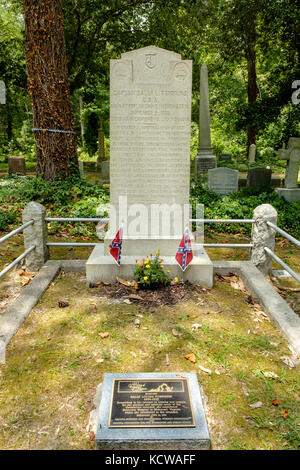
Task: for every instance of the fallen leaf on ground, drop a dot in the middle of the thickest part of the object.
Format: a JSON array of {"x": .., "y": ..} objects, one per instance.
[
  {"x": 284, "y": 413},
  {"x": 208, "y": 371},
  {"x": 196, "y": 326},
  {"x": 127, "y": 283},
  {"x": 127, "y": 301},
  {"x": 175, "y": 332},
  {"x": 270, "y": 375},
  {"x": 275, "y": 402},
  {"x": 167, "y": 360},
  {"x": 288, "y": 361},
  {"x": 63, "y": 304},
  {"x": 104, "y": 335},
  {"x": 135, "y": 297},
  {"x": 190, "y": 357},
  {"x": 191, "y": 315},
  {"x": 258, "y": 404}
]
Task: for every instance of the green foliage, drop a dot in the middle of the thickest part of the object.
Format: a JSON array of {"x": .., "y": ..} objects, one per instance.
[
  {"x": 7, "y": 217},
  {"x": 149, "y": 273},
  {"x": 71, "y": 197},
  {"x": 241, "y": 205}
]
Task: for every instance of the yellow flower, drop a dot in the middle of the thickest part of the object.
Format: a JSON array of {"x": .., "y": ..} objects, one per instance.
[
  {"x": 176, "y": 279},
  {"x": 168, "y": 271},
  {"x": 148, "y": 260},
  {"x": 147, "y": 266},
  {"x": 145, "y": 262},
  {"x": 145, "y": 278},
  {"x": 161, "y": 265}
]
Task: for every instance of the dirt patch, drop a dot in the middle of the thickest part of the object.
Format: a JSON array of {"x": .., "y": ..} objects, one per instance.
[{"x": 169, "y": 295}]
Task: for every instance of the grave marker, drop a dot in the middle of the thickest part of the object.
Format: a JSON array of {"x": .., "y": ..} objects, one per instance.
[
  {"x": 151, "y": 411},
  {"x": 259, "y": 177},
  {"x": 223, "y": 180}
]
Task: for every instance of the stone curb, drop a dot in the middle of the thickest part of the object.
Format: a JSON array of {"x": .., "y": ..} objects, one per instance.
[
  {"x": 281, "y": 314},
  {"x": 17, "y": 312}
]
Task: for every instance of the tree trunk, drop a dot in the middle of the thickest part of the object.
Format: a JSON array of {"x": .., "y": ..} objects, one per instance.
[
  {"x": 48, "y": 87},
  {"x": 252, "y": 85}
]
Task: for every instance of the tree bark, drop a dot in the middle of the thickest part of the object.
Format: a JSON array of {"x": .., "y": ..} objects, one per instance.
[{"x": 48, "y": 87}]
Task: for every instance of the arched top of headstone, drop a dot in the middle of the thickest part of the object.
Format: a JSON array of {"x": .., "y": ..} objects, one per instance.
[
  {"x": 151, "y": 50},
  {"x": 151, "y": 65},
  {"x": 2, "y": 92}
]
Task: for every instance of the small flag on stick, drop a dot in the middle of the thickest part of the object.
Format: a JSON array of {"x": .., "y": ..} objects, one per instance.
[
  {"x": 184, "y": 253},
  {"x": 116, "y": 247}
]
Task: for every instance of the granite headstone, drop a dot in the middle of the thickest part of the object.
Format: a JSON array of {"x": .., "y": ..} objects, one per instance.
[
  {"x": 223, "y": 180},
  {"x": 259, "y": 177}
]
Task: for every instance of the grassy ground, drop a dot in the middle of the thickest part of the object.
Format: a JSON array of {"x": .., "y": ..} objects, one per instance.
[
  {"x": 57, "y": 359},
  {"x": 12, "y": 283}
]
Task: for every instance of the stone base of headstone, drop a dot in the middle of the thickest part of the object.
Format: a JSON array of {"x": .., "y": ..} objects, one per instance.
[
  {"x": 152, "y": 438},
  {"x": 101, "y": 267},
  {"x": 203, "y": 163},
  {"x": 290, "y": 195},
  {"x": 16, "y": 165}
]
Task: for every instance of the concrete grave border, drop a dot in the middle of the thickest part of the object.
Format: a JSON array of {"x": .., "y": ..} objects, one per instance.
[{"x": 274, "y": 305}]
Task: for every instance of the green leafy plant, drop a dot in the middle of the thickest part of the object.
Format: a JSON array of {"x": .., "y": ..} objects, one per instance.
[{"x": 149, "y": 273}]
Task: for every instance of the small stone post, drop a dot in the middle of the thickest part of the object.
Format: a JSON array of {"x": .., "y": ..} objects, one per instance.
[
  {"x": 36, "y": 234},
  {"x": 263, "y": 236}
]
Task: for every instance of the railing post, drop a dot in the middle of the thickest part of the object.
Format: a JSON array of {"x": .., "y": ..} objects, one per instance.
[
  {"x": 263, "y": 236},
  {"x": 36, "y": 234}
]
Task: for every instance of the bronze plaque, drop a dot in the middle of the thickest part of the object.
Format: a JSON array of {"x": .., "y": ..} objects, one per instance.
[{"x": 151, "y": 403}]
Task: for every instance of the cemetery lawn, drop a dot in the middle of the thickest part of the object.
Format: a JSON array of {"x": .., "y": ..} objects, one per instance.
[{"x": 58, "y": 357}]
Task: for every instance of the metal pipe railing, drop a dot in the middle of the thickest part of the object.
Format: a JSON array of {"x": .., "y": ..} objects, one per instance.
[
  {"x": 284, "y": 233},
  {"x": 17, "y": 230},
  {"x": 227, "y": 245},
  {"x": 17, "y": 260},
  {"x": 225, "y": 221},
  {"x": 282, "y": 263},
  {"x": 71, "y": 244},
  {"x": 76, "y": 219}
]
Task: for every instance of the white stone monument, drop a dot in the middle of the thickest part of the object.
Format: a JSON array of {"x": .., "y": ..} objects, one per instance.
[
  {"x": 205, "y": 159},
  {"x": 252, "y": 153},
  {"x": 223, "y": 180},
  {"x": 291, "y": 191},
  {"x": 150, "y": 116}
]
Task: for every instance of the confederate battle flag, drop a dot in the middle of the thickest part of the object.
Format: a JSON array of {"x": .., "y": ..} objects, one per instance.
[
  {"x": 184, "y": 253},
  {"x": 116, "y": 247}
]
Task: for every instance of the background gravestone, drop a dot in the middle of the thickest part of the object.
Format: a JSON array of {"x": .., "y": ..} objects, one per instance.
[
  {"x": 225, "y": 157},
  {"x": 16, "y": 165},
  {"x": 223, "y": 180},
  {"x": 252, "y": 153},
  {"x": 259, "y": 177},
  {"x": 105, "y": 172}
]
